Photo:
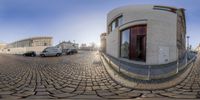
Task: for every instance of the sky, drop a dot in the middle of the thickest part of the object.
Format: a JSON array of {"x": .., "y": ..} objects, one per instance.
[{"x": 79, "y": 20}]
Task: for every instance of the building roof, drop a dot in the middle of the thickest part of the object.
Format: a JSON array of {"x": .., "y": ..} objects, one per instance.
[{"x": 142, "y": 7}]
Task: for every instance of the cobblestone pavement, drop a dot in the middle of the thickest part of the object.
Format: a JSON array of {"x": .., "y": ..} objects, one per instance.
[{"x": 77, "y": 76}]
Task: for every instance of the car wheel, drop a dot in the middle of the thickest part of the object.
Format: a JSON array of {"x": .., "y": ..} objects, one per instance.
[
  {"x": 42, "y": 55},
  {"x": 57, "y": 54}
]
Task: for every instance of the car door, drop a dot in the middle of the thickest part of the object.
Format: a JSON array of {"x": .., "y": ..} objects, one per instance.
[
  {"x": 48, "y": 52},
  {"x": 52, "y": 52}
]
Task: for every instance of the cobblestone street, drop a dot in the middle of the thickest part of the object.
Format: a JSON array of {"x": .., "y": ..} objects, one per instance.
[{"x": 82, "y": 75}]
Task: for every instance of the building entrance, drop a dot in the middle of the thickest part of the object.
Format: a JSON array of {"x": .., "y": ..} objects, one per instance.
[{"x": 135, "y": 47}]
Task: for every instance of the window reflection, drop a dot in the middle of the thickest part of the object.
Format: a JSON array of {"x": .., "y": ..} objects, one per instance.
[
  {"x": 125, "y": 43},
  {"x": 120, "y": 21},
  {"x": 113, "y": 26}
]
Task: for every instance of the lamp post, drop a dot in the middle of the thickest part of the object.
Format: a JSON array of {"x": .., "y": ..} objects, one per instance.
[
  {"x": 187, "y": 49},
  {"x": 177, "y": 64}
]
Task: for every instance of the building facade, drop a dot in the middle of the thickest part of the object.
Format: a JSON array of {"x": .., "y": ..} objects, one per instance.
[
  {"x": 2, "y": 46},
  {"x": 31, "y": 42},
  {"x": 90, "y": 47},
  {"x": 36, "y": 44},
  {"x": 197, "y": 48},
  {"x": 103, "y": 42},
  {"x": 67, "y": 45},
  {"x": 146, "y": 34}
]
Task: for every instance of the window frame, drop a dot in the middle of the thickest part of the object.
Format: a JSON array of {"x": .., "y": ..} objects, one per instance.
[
  {"x": 116, "y": 21},
  {"x": 130, "y": 28}
]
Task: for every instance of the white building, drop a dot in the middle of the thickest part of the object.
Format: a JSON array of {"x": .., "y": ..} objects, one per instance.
[
  {"x": 146, "y": 34},
  {"x": 103, "y": 42},
  {"x": 36, "y": 44},
  {"x": 67, "y": 45},
  {"x": 197, "y": 48},
  {"x": 2, "y": 46}
]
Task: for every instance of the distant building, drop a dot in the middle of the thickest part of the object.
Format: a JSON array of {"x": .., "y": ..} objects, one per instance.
[
  {"x": 83, "y": 45},
  {"x": 2, "y": 45},
  {"x": 103, "y": 42},
  {"x": 146, "y": 34},
  {"x": 198, "y": 48},
  {"x": 31, "y": 42},
  {"x": 67, "y": 45},
  {"x": 36, "y": 44},
  {"x": 88, "y": 47}
]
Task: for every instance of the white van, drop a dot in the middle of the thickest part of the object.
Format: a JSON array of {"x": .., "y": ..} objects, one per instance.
[{"x": 51, "y": 51}]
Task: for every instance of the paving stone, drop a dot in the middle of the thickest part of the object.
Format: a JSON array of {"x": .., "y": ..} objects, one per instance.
[
  {"x": 40, "y": 97},
  {"x": 64, "y": 95},
  {"x": 79, "y": 76},
  {"x": 42, "y": 93},
  {"x": 68, "y": 89},
  {"x": 85, "y": 97},
  {"x": 89, "y": 93},
  {"x": 6, "y": 92}
]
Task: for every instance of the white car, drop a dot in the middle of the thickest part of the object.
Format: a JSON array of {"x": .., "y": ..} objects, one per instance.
[{"x": 51, "y": 51}]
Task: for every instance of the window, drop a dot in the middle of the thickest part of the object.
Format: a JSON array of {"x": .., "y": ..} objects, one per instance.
[
  {"x": 45, "y": 44},
  {"x": 125, "y": 35},
  {"x": 120, "y": 21},
  {"x": 115, "y": 23},
  {"x": 113, "y": 26},
  {"x": 164, "y": 8}
]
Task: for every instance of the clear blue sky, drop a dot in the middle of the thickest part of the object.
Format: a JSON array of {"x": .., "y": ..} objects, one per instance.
[{"x": 79, "y": 20}]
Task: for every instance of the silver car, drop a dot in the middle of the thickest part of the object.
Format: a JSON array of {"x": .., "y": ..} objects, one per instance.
[{"x": 51, "y": 51}]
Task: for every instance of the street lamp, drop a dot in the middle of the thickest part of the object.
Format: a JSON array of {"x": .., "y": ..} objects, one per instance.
[
  {"x": 187, "y": 49},
  {"x": 188, "y": 41}
]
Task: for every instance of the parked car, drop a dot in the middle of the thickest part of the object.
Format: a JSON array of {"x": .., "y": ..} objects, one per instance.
[
  {"x": 30, "y": 53},
  {"x": 71, "y": 51},
  {"x": 65, "y": 51},
  {"x": 51, "y": 51}
]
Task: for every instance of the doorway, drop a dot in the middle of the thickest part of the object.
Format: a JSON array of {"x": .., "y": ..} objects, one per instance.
[
  {"x": 141, "y": 48},
  {"x": 136, "y": 49}
]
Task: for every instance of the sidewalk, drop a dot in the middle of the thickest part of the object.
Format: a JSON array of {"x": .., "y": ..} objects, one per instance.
[{"x": 131, "y": 76}]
